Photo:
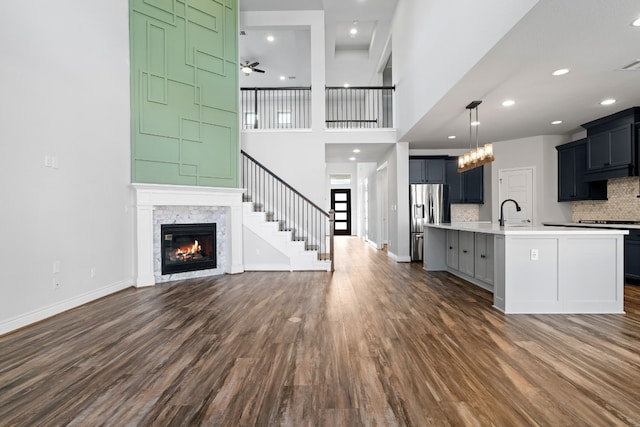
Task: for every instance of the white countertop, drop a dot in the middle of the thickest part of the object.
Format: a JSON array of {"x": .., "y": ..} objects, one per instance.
[
  {"x": 609, "y": 226},
  {"x": 514, "y": 230}
]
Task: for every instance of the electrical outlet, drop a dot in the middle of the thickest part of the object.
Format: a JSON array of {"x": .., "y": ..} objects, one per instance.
[
  {"x": 534, "y": 255},
  {"x": 56, "y": 267},
  {"x": 56, "y": 283}
]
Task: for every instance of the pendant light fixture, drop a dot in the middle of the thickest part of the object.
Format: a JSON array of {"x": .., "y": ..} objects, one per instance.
[{"x": 480, "y": 155}]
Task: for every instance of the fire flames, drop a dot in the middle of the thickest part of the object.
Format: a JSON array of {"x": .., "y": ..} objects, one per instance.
[{"x": 188, "y": 253}]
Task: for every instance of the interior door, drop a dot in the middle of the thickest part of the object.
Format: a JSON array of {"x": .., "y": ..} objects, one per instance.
[
  {"x": 341, "y": 204},
  {"x": 516, "y": 184}
]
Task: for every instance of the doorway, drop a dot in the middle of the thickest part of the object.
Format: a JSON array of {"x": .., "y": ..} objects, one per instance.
[
  {"x": 517, "y": 184},
  {"x": 341, "y": 204}
]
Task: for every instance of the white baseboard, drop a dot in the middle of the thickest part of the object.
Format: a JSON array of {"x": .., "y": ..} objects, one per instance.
[
  {"x": 62, "y": 306},
  {"x": 397, "y": 258},
  {"x": 267, "y": 267},
  {"x": 372, "y": 244}
]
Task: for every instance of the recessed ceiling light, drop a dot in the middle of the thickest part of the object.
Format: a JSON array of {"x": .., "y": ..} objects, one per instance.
[
  {"x": 346, "y": 85},
  {"x": 636, "y": 23},
  {"x": 282, "y": 77},
  {"x": 356, "y": 150},
  {"x": 353, "y": 31},
  {"x": 560, "y": 72},
  {"x": 508, "y": 103},
  {"x": 556, "y": 122},
  {"x": 270, "y": 38},
  {"x": 352, "y": 158},
  {"x": 608, "y": 101},
  {"x": 475, "y": 123},
  {"x": 451, "y": 137}
]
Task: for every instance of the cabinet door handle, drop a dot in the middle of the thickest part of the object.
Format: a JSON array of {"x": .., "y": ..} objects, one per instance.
[
  {"x": 607, "y": 164},
  {"x": 464, "y": 252},
  {"x": 483, "y": 256},
  {"x": 450, "y": 247}
]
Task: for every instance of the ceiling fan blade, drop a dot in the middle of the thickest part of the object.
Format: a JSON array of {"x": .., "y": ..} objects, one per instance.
[
  {"x": 258, "y": 70},
  {"x": 254, "y": 64}
]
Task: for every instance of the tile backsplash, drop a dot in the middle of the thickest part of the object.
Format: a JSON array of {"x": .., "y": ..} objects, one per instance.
[
  {"x": 623, "y": 205},
  {"x": 464, "y": 213}
]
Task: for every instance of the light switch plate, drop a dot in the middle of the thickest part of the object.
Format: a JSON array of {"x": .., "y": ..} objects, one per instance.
[{"x": 534, "y": 255}]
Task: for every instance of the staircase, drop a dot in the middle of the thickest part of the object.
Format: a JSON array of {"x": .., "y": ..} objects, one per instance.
[{"x": 282, "y": 229}]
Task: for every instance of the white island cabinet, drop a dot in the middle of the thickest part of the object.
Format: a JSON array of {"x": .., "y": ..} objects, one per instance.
[{"x": 533, "y": 269}]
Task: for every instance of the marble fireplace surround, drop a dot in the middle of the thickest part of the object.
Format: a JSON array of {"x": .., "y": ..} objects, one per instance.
[{"x": 149, "y": 196}]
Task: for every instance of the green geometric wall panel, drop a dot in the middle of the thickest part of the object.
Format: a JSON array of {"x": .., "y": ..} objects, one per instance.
[{"x": 184, "y": 92}]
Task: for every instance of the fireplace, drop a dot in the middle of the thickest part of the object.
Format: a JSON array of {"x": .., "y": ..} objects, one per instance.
[{"x": 188, "y": 247}]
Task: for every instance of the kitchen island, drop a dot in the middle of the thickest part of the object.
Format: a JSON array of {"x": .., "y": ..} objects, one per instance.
[{"x": 533, "y": 269}]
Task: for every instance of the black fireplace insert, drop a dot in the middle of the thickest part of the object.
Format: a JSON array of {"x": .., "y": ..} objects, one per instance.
[{"x": 187, "y": 247}]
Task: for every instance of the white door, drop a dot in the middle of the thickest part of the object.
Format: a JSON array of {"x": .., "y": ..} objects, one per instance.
[{"x": 517, "y": 184}]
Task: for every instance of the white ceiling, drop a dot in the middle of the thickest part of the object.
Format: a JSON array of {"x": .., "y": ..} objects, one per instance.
[
  {"x": 341, "y": 153},
  {"x": 354, "y": 60},
  {"x": 593, "y": 38},
  {"x": 278, "y": 58}
]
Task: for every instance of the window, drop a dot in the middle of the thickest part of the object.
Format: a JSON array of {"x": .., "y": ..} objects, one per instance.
[
  {"x": 250, "y": 118},
  {"x": 340, "y": 179},
  {"x": 284, "y": 118}
]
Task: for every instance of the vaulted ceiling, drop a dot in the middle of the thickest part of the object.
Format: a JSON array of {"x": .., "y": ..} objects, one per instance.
[{"x": 594, "y": 39}]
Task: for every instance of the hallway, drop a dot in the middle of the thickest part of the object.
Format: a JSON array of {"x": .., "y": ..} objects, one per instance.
[{"x": 376, "y": 343}]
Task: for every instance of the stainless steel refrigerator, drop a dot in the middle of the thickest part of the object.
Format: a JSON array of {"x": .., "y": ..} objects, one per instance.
[{"x": 429, "y": 203}]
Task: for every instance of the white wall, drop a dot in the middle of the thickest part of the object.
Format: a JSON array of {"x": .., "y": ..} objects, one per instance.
[
  {"x": 295, "y": 156},
  {"x": 397, "y": 160},
  {"x": 435, "y": 45},
  {"x": 368, "y": 171},
  {"x": 65, "y": 94},
  {"x": 539, "y": 152}
]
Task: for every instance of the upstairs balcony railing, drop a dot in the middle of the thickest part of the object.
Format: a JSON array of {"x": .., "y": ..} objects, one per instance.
[
  {"x": 276, "y": 108},
  {"x": 362, "y": 107},
  {"x": 369, "y": 107}
]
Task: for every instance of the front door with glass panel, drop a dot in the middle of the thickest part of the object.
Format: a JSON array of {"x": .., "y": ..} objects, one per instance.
[{"x": 341, "y": 204}]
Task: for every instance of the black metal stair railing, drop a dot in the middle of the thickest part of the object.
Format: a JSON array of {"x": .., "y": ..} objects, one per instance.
[{"x": 288, "y": 207}]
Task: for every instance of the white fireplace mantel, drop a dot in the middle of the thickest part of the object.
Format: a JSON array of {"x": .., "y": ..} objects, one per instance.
[{"x": 149, "y": 196}]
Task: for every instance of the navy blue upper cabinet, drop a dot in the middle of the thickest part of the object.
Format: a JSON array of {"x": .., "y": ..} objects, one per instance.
[
  {"x": 473, "y": 185},
  {"x": 416, "y": 171},
  {"x": 426, "y": 170},
  {"x": 454, "y": 179},
  {"x": 466, "y": 187},
  {"x": 572, "y": 165},
  {"x": 612, "y": 146}
]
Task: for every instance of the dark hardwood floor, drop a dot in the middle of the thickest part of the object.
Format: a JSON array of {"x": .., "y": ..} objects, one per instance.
[{"x": 376, "y": 343}]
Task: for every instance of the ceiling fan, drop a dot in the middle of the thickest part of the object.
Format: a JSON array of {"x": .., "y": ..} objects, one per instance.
[{"x": 248, "y": 68}]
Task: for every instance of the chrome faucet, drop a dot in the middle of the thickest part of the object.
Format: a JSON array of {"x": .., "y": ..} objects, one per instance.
[{"x": 518, "y": 209}]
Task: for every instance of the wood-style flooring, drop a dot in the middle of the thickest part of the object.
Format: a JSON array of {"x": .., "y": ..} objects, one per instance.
[{"x": 375, "y": 343}]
